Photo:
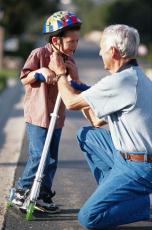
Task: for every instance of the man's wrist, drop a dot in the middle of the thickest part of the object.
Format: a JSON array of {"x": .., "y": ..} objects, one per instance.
[{"x": 58, "y": 76}]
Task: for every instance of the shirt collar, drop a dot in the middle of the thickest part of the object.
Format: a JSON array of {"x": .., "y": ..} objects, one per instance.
[
  {"x": 48, "y": 46},
  {"x": 132, "y": 62}
]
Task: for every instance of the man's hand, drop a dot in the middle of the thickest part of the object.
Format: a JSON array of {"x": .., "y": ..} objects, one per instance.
[
  {"x": 57, "y": 64},
  {"x": 90, "y": 116},
  {"x": 72, "y": 70}
]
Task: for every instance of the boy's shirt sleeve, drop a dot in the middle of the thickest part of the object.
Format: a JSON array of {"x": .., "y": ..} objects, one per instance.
[
  {"x": 32, "y": 63},
  {"x": 111, "y": 94}
]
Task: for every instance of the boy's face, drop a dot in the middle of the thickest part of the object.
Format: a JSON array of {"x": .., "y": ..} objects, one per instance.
[{"x": 68, "y": 43}]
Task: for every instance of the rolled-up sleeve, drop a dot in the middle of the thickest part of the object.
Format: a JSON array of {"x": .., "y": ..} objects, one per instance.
[{"x": 32, "y": 63}]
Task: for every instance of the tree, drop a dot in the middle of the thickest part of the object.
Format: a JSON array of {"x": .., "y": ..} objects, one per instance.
[
  {"x": 134, "y": 13},
  {"x": 84, "y": 8},
  {"x": 20, "y": 14},
  {"x": 131, "y": 12}
]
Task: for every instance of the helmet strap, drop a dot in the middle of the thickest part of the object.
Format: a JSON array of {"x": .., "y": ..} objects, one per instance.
[
  {"x": 55, "y": 48},
  {"x": 65, "y": 56}
]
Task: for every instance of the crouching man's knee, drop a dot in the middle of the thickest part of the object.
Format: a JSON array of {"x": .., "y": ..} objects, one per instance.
[
  {"x": 84, "y": 219},
  {"x": 89, "y": 220},
  {"x": 84, "y": 134},
  {"x": 94, "y": 220}
]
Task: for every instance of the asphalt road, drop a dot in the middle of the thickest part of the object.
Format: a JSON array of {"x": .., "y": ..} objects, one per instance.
[{"x": 73, "y": 181}]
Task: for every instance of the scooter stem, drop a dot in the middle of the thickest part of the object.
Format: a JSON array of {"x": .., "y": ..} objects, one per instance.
[{"x": 39, "y": 174}]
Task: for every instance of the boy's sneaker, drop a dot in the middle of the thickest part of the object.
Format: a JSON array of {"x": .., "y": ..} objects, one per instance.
[
  {"x": 20, "y": 196},
  {"x": 45, "y": 203}
]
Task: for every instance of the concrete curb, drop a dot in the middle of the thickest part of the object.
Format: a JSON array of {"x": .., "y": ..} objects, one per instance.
[{"x": 12, "y": 128}]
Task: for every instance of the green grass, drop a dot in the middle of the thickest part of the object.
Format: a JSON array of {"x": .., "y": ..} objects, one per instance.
[
  {"x": 4, "y": 75},
  {"x": 8, "y": 73}
]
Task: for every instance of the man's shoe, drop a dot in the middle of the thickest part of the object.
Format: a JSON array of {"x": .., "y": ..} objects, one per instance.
[{"x": 45, "y": 203}]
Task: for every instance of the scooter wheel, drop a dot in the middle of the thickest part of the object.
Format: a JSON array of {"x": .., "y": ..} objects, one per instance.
[
  {"x": 29, "y": 211},
  {"x": 9, "y": 204}
]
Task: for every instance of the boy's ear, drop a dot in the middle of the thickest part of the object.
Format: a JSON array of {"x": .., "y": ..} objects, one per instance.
[{"x": 54, "y": 40}]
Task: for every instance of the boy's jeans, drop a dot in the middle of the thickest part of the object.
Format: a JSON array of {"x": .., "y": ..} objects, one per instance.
[
  {"x": 36, "y": 139},
  {"x": 122, "y": 195}
]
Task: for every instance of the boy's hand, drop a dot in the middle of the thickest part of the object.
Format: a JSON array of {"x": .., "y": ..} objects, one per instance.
[{"x": 49, "y": 75}]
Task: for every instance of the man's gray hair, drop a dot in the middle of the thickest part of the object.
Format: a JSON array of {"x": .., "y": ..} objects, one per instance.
[{"x": 124, "y": 38}]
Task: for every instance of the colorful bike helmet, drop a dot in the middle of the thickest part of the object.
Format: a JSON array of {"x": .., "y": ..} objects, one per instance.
[{"x": 60, "y": 22}]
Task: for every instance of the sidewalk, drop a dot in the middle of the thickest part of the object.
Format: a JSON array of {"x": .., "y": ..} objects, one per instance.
[{"x": 11, "y": 136}]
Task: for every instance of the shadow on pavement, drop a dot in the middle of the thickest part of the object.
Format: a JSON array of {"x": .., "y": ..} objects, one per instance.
[
  {"x": 4, "y": 164},
  {"x": 73, "y": 164},
  {"x": 64, "y": 215}
]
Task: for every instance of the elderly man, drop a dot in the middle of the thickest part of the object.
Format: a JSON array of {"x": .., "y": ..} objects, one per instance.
[{"x": 120, "y": 159}]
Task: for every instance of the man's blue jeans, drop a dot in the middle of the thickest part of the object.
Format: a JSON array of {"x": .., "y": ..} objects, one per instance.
[
  {"x": 122, "y": 194},
  {"x": 36, "y": 138}
]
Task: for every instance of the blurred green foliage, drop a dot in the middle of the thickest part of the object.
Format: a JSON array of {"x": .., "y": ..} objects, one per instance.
[
  {"x": 4, "y": 75},
  {"x": 7, "y": 73},
  {"x": 20, "y": 14},
  {"x": 23, "y": 19},
  {"x": 25, "y": 47},
  {"x": 3, "y": 83},
  {"x": 136, "y": 13},
  {"x": 131, "y": 12}
]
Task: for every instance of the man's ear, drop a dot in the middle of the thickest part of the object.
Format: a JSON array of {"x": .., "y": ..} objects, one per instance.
[{"x": 115, "y": 53}]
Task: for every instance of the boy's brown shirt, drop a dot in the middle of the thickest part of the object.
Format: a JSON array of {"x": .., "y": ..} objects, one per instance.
[{"x": 40, "y": 97}]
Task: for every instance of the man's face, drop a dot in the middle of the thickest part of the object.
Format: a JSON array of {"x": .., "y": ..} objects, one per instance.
[
  {"x": 106, "y": 55},
  {"x": 69, "y": 42}
]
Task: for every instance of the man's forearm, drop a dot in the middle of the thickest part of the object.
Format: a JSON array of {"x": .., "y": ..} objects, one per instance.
[
  {"x": 71, "y": 99},
  {"x": 90, "y": 116}
]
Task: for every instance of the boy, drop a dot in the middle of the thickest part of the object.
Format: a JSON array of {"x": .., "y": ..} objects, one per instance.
[{"x": 40, "y": 96}]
